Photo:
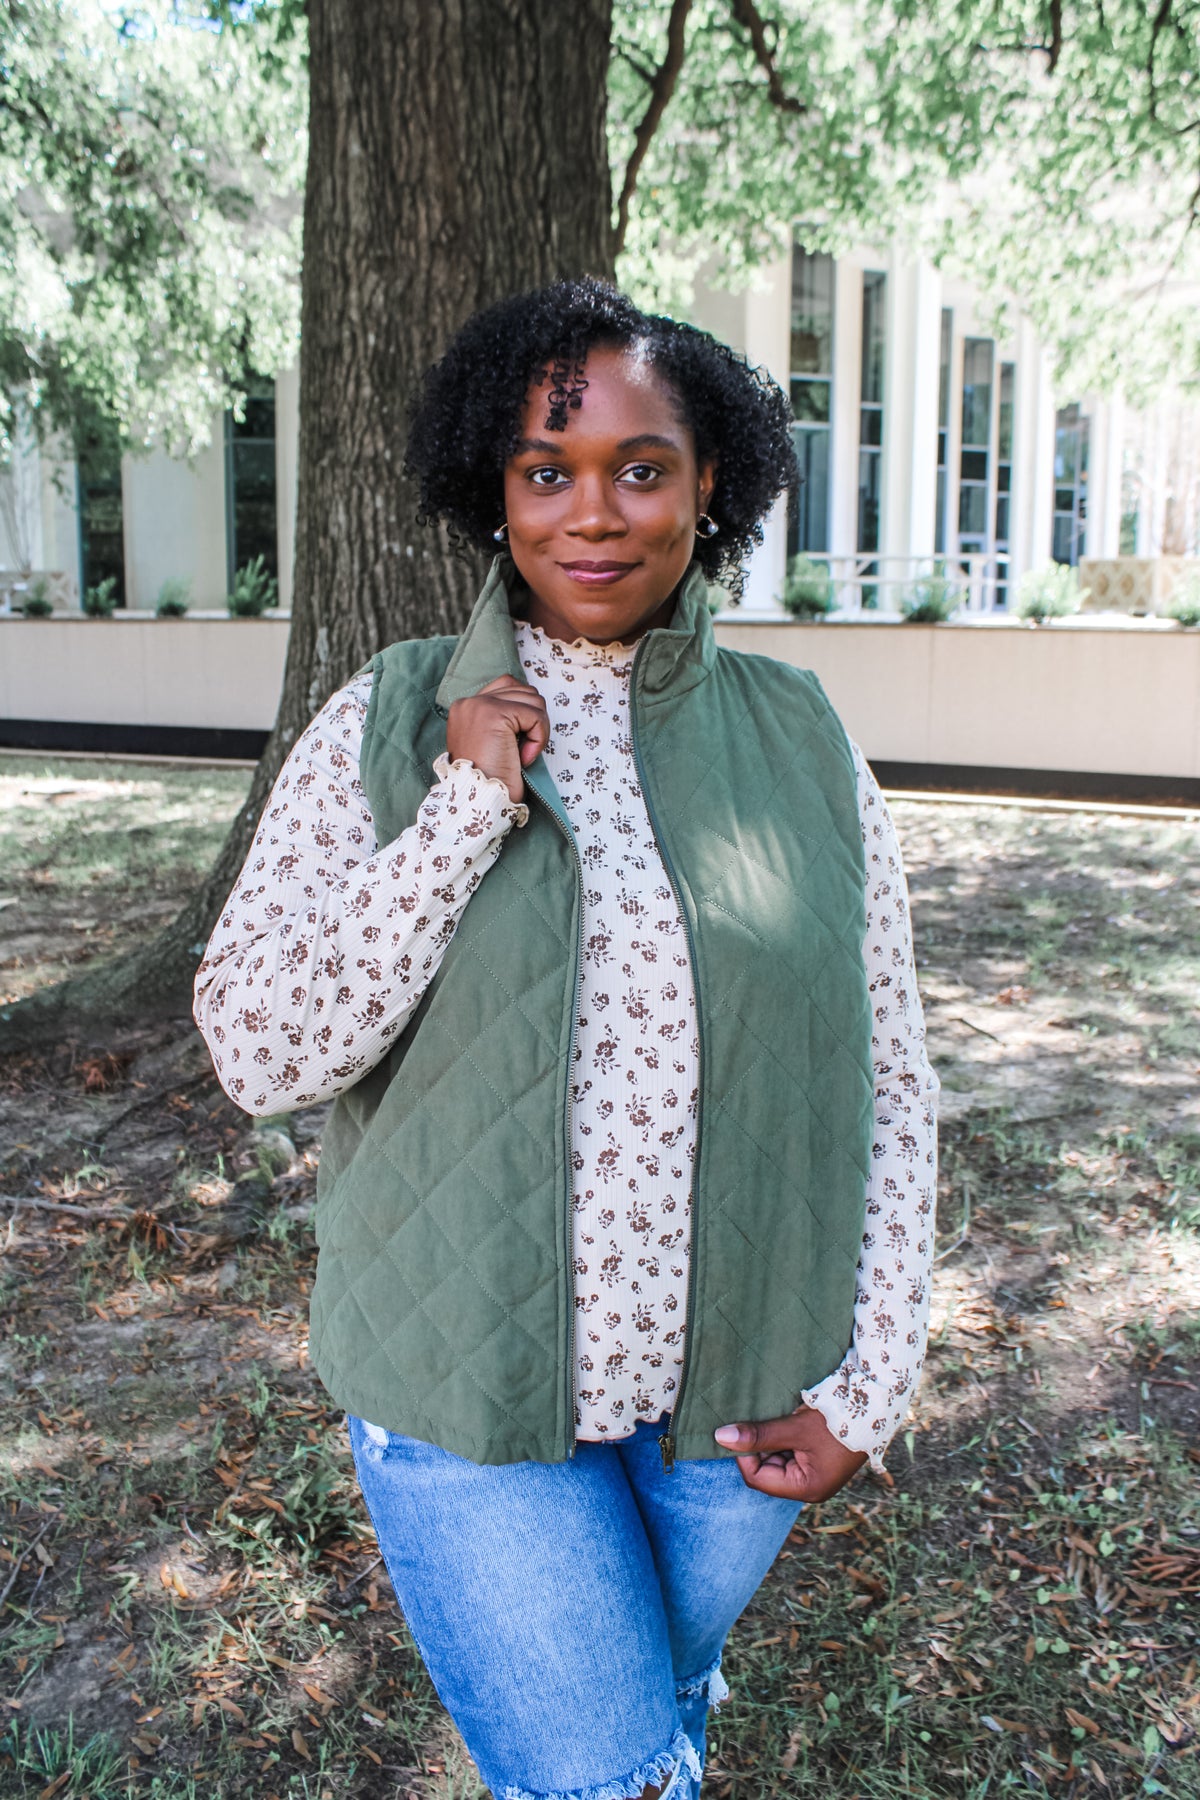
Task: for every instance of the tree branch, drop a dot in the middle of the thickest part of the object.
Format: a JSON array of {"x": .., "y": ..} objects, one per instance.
[
  {"x": 748, "y": 16},
  {"x": 639, "y": 68},
  {"x": 661, "y": 89},
  {"x": 1056, "y": 34},
  {"x": 1160, "y": 19}
]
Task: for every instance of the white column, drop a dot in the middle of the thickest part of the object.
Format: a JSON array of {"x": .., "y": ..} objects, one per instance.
[
  {"x": 912, "y": 353},
  {"x": 287, "y": 454},
  {"x": 768, "y": 345},
  {"x": 847, "y": 394},
  {"x": 1105, "y": 468},
  {"x": 174, "y": 517},
  {"x": 60, "y": 516},
  {"x": 1032, "y": 513}
]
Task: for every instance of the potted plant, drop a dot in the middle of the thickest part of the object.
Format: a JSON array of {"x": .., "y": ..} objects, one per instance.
[
  {"x": 931, "y": 601},
  {"x": 807, "y": 589},
  {"x": 174, "y": 598},
  {"x": 253, "y": 591},
  {"x": 1185, "y": 607},
  {"x": 37, "y": 603},
  {"x": 1050, "y": 593},
  {"x": 100, "y": 601}
]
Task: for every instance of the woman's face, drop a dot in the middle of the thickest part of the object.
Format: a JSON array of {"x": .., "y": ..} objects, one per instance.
[{"x": 602, "y": 516}]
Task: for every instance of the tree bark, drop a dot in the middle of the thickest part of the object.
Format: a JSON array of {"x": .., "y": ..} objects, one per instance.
[{"x": 457, "y": 154}]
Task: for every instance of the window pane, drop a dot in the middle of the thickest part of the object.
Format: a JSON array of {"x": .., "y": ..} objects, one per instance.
[
  {"x": 944, "y": 369},
  {"x": 869, "y": 468},
  {"x": 874, "y": 295},
  {"x": 102, "y": 517},
  {"x": 810, "y": 401},
  {"x": 1008, "y": 375},
  {"x": 870, "y": 431},
  {"x": 809, "y": 521},
  {"x": 250, "y": 479},
  {"x": 974, "y": 465},
  {"x": 972, "y": 510},
  {"x": 1002, "y": 522},
  {"x": 977, "y": 393},
  {"x": 939, "y": 529},
  {"x": 812, "y": 312}
]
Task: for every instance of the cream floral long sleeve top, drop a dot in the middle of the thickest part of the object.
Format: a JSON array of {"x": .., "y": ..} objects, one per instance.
[{"x": 329, "y": 941}]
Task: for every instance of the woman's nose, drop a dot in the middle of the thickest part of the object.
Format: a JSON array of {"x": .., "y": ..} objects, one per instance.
[{"x": 595, "y": 512}]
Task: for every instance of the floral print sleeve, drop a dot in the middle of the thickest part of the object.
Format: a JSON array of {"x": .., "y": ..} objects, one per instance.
[
  {"x": 864, "y": 1401},
  {"x": 328, "y": 940}
]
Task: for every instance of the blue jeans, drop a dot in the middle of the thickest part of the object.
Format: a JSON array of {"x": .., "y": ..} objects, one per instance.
[{"x": 572, "y": 1615}]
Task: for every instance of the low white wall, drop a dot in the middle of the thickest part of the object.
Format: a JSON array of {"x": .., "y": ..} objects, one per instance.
[
  {"x": 1120, "y": 699},
  {"x": 1086, "y": 698},
  {"x": 136, "y": 671}
]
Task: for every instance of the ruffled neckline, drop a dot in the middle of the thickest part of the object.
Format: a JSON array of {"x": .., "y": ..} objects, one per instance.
[{"x": 580, "y": 650}]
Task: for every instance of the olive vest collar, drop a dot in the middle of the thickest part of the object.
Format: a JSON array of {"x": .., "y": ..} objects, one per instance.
[{"x": 677, "y": 655}]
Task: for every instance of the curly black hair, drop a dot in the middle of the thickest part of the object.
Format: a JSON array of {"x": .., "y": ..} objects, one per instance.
[{"x": 466, "y": 420}]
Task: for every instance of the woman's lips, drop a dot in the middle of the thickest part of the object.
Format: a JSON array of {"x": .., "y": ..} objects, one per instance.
[{"x": 596, "y": 574}]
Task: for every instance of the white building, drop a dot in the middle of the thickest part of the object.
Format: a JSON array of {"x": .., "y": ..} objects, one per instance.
[{"x": 924, "y": 443}]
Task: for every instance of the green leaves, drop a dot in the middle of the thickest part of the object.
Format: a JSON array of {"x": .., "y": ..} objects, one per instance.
[{"x": 149, "y": 217}]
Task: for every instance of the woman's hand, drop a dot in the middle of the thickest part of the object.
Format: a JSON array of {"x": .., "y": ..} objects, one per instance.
[
  {"x": 794, "y": 1458},
  {"x": 501, "y": 729}
]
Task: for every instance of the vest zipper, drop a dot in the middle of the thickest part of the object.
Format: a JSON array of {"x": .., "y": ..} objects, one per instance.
[
  {"x": 666, "y": 1443},
  {"x": 569, "y": 833}
]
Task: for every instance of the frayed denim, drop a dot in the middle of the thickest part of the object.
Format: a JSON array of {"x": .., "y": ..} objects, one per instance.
[{"x": 572, "y": 1615}]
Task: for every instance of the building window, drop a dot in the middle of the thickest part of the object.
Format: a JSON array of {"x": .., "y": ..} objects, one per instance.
[
  {"x": 1004, "y": 464},
  {"x": 976, "y": 455},
  {"x": 870, "y": 422},
  {"x": 943, "y": 461},
  {"x": 812, "y": 397},
  {"x": 101, "y": 517},
  {"x": 1070, "y": 485},
  {"x": 250, "y": 511}
]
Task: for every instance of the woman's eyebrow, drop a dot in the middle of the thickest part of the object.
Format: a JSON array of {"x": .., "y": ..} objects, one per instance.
[
  {"x": 540, "y": 445},
  {"x": 648, "y": 440}
]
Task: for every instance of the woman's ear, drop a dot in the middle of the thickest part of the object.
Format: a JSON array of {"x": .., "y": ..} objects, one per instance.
[{"x": 706, "y": 483}]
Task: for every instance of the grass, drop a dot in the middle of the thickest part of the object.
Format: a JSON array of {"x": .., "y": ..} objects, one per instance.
[{"x": 199, "y": 1610}]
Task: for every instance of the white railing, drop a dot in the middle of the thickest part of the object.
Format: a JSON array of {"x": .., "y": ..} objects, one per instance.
[{"x": 867, "y": 583}]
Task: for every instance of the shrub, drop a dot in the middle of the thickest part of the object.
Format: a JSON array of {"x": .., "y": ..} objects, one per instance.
[
  {"x": 930, "y": 601},
  {"x": 807, "y": 589},
  {"x": 100, "y": 602},
  {"x": 253, "y": 591},
  {"x": 174, "y": 598},
  {"x": 1050, "y": 593},
  {"x": 37, "y": 603},
  {"x": 1185, "y": 607}
]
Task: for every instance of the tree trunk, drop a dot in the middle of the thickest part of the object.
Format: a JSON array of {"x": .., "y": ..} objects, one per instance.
[{"x": 457, "y": 154}]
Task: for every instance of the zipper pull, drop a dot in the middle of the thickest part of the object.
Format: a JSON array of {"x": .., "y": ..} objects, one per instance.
[{"x": 666, "y": 1446}]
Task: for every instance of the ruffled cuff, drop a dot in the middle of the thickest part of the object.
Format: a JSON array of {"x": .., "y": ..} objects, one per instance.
[
  {"x": 858, "y": 1409},
  {"x": 460, "y": 783}
]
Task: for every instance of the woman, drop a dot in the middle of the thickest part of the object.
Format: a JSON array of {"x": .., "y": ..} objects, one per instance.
[{"x": 599, "y": 934}]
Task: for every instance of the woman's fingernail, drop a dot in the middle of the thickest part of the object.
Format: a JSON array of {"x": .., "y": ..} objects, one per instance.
[{"x": 728, "y": 1435}]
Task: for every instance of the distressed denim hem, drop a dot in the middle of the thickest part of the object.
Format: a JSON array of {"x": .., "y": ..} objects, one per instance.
[
  {"x": 680, "y": 1754},
  {"x": 709, "y": 1685}
]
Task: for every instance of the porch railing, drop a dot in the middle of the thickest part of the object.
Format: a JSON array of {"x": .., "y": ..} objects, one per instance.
[{"x": 978, "y": 583}]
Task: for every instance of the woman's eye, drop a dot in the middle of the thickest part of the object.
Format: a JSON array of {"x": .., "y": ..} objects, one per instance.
[
  {"x": 546, "y": 478},
  {"x": 640, "y": 474}
]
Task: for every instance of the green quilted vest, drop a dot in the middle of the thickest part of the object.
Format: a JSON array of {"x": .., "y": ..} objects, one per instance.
[{"x": 443, "y": 1304}]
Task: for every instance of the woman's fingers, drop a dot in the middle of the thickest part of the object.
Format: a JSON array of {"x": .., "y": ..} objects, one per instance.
[
  {"x": 501, "y": 729},
  {"x": 795, "y": 1457}
]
